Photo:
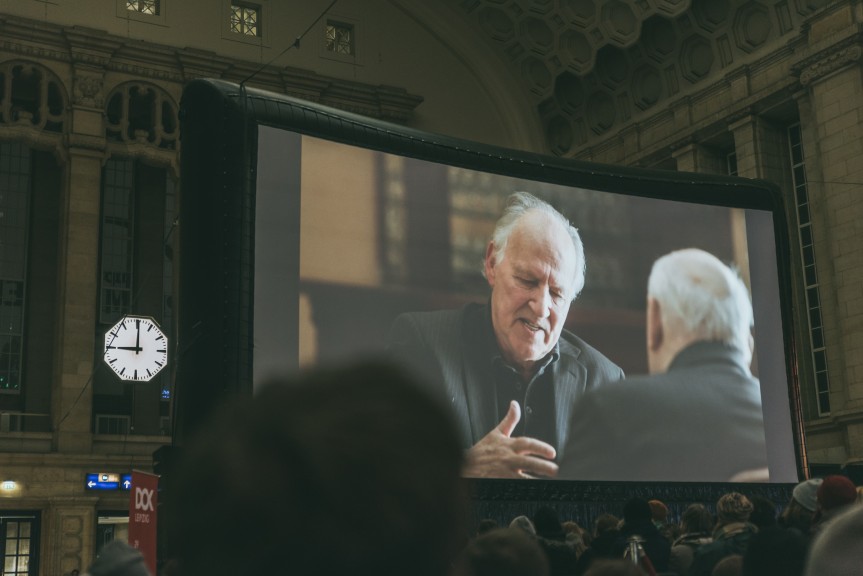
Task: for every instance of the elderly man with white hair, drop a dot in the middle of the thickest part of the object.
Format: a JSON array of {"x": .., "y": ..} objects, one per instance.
[
  {"x": 697, "y": 416},
  {"x": 509, "y": 368}
]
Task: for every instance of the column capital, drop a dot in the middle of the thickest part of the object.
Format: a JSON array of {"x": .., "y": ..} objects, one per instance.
[{"x": 740, "y": 118}]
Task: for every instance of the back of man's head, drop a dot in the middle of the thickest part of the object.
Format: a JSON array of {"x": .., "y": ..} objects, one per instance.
[
  {"x": 733, "y": 507},
  {"x": 696, "y": 519},
  {"x": 701, "y": 298},
  {"x": 503, "y": 552},
  {"x": 266, "y": 486},
  {"x": 636, "y": 511}
]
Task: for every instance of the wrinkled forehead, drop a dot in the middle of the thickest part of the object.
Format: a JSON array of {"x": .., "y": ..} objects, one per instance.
[{"x": 542, "y": 238}]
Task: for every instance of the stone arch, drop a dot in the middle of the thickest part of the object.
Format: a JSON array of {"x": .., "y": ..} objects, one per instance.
[
  {"x": 32, "y": 96},
  {"x": 142, "y": 113}
]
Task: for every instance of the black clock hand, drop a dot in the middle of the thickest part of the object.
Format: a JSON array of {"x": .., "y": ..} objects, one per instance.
[
  {"x": 135, "y": 348},
  {"x": 138, "y": 336}
]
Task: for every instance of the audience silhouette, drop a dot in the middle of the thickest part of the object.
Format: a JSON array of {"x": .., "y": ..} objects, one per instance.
[
  {"x": 502, "y": 552},
  {"x": 265, "y": 485}
]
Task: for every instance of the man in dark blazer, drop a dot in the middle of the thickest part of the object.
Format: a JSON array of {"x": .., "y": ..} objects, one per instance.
[
  {"x": 508, "y": 368},
  {"x": 698, "y": 416}
]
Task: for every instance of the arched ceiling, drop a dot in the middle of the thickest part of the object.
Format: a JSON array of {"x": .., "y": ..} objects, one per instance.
[{"x": 589, "y": 66}]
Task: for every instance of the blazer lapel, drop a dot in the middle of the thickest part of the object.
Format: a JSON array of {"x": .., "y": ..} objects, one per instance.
[
  {"x": 569, "y": 376},
  {"x": 479, "y": 392},
  {"x": 481, "y": 400}
]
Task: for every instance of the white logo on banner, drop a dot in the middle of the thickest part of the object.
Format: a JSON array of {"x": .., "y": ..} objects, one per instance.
[{"x": 143, "y": 499}]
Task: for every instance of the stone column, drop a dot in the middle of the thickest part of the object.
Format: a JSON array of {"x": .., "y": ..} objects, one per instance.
[
  {"x": 69, "y": 535},
  {"x": 72, "y": 394},
  {"x": 832, "y": 115}
]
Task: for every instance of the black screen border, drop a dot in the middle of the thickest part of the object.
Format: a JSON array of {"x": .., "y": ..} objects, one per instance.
[{"x": 219, "y": 122}]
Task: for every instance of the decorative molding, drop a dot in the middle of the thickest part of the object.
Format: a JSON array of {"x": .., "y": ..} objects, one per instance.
[
  {"x": 88, "y": 91},
  {"x": 33, "y": 137},
  {"x": 202, "y": 64},
  {"x": 834, "y": 60},
  {"x": 641, "y": 58},
  {"x": 33, "y": 52},
  {"x": 144, "y": 71},
  {"x": 94, "y": 52},
  {"x": 152, "y": 155},
  {"x": 83, "y": 143},
  {"x": 385, "y": 102}
]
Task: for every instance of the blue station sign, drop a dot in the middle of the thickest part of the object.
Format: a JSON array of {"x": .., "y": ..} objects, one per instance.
[{"x": 107, "y": 481}]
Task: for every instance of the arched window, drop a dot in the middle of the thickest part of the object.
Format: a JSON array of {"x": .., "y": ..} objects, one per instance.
[
  {"x": 142, "y": 113},
  {"x": 31, "y": 95}
]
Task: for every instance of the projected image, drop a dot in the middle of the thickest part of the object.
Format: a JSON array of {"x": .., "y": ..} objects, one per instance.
[{"x": 577, "y": 334}]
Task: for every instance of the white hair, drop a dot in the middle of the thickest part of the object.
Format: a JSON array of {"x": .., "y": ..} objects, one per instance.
[
  {"x": 702, "y": 297},
  {"x": 518, "y": 205}
]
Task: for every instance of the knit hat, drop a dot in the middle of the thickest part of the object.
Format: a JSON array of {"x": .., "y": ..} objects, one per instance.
[
  {"x": 119, "y": 559},
  {"x": 734, "y": 507},
  {"x": 804, "y": 493},
  {"x": 836, "y": 491}
]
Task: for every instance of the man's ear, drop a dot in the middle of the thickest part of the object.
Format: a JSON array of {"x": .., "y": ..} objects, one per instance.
[
  {"x": 655, "y": 334},
  {"x": 490, "y": 263}
]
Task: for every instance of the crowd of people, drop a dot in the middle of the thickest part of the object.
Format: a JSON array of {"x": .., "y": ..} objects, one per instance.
[
  {"x": 819, "y": 532},
  {"x": 357, "y": 470}
]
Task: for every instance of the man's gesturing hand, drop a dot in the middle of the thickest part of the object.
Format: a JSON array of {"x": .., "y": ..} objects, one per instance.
[{"x": 498, "y": 455}]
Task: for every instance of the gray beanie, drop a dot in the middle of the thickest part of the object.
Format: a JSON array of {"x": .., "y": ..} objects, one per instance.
[
  {"x": 806, "y": 493},
  {"x": 119, "y": 559}
]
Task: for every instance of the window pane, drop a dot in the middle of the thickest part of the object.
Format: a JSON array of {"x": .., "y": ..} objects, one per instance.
[
  {"x": 803, "y": 213},
  {"x": 820, "y": 363},
  {"x": 117, "y": 240},
  {"x": 245, "y": 19},
  {"x": 339, "y": 38},
  {"x": 14, "y": 218},
  {"x": 817, "y": 338},
  {"x": 824, "y": 403}
]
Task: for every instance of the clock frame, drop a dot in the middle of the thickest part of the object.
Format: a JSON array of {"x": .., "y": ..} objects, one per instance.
[{"x": 136, "y": 349}]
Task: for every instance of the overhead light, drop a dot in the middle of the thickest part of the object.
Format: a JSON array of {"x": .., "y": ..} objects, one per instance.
[{"x": 8, "y": 486}]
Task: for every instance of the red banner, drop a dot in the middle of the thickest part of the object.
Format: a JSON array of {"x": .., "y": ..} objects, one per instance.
[{"x": 143, "y": 502}]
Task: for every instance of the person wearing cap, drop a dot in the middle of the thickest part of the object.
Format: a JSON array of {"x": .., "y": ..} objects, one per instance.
[
  {"x": 800, "y": 510},
  {"x": 834, "y": 495},
  {"x": 731, "y": 535}
]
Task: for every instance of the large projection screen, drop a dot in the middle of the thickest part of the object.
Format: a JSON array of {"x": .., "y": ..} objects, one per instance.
[{"x": 334, "y": 224}]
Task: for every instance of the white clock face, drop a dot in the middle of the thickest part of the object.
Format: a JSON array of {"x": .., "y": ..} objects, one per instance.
[{"x": 136, "y": 348}]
